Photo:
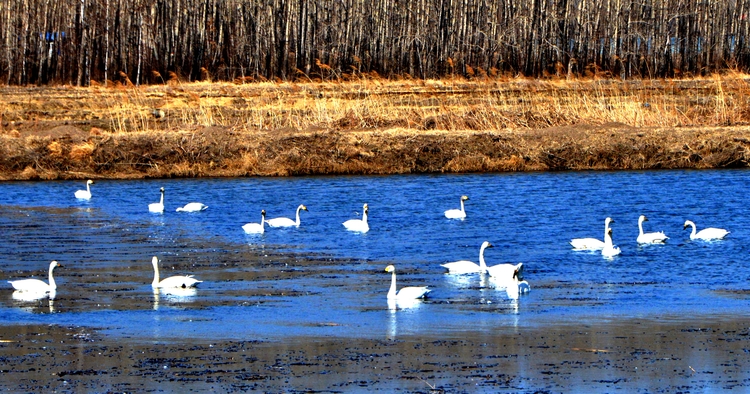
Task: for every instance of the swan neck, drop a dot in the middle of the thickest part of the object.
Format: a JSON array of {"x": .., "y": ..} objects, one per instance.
[
  {"x": 640, "y": 227},
  {"x": 462, "y": 206},
  {"x": 392, "y": 290},
  {"x": 692, "y": 233},
  {"x": 482, "y": 264},
  {"x": 607, "y": 241},
  {"x": 88, "y": 187},
  {"x": 298, "y": 208},
  {"x": 52, "y": 284},
  {"x": 161, "y": 201},
  {"x": 364, "y": 220},
  {"x": 156, "y": 275}
]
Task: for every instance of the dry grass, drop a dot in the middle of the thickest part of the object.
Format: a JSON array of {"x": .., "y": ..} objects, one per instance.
[{"x": 370, "y": 125}]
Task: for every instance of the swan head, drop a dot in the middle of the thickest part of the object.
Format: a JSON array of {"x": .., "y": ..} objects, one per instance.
[
  {"x": 161, "y": 190},
  {"x": 464, "y": 198},
  {"x": 263, "y": 213},
  {"x": 302, "y": 207},
  {"x": 365, "y": 208},
  {"x": 487, "y": 244},
  {"x": 608, "y": 220},
  {"x": 54, "y": 264},
  {"x": 609, "y": 231},
  {"x": 518, "y": 272},
  {"x": 687, "y": 224},
  {"x": 642, "y": 219},
  {"x": 155, "y": 261},
  {"x": 390, "y": 268},
  {"x": 89, "y": 182}
]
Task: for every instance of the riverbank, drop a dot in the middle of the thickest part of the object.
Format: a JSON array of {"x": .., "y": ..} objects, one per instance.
[{"x": 372, "y": 127}]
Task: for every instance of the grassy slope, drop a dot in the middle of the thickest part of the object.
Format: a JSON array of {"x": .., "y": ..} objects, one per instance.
[{"x": 372, "y": 127}]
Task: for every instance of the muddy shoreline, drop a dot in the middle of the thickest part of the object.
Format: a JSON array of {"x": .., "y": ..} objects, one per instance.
[
  {"x": 70, "y": 153},
  {"x": 653, "y": 355}
]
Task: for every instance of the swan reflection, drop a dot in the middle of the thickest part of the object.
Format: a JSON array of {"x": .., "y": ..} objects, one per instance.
[
  {"x": 31, "y": 296},
  {"x": 174, "y": 295}
]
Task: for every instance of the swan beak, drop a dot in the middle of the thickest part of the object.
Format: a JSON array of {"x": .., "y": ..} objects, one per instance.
[
  {"x": 489, "y": 245},
  {"x": 684, "y": 226}
]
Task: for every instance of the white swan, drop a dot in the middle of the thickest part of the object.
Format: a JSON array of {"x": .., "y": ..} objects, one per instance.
[
  {"x": 707, "y": 234},
  {"x": 286, "y": 222},
  {"x": 509, "y": 277},
  {"x": 609, "y": 249},
  {"x": 358, "y": 225},
  {"x": 157, "y": 207},
  {"x": 173, "y": 281},
  {"x": 469, "y": 267},
  {"x": 85, "y": 194},
  {"x": 256, "y": 228},
  {"x": 193, "y": 207},
  {"x": 36, "y": 285},
  {"x": 406, "y": 293},
  {"x": 457, "y": 213},
  {"x": 649, "y": 238},
  {"x": 591, "y": 243}
]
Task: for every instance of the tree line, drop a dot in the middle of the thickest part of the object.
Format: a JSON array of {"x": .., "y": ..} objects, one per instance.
[{"x": 146, "y": 41}]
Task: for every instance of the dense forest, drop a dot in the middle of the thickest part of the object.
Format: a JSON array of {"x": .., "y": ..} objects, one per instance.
[{"x": 150, "y": 41}]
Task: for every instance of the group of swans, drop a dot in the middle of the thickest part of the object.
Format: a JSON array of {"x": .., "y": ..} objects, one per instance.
[
  {"x": 609, "y": 250},
  {"x": 156, "y": 207},
  {"x": 259, "y": 228},
  {"x": 38, "y": 288},
  {"x": 503, "y": 275}
]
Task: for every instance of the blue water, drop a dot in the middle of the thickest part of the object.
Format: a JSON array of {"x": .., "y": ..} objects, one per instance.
[{"x": 320, "y": 279}]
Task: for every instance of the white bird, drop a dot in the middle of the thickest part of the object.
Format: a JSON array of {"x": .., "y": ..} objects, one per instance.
[
  {"x": 649, "y": 238},
  {"x": 193, "y": 207},
  {"x": 707, "y": 234},
  {"x": 509, "y": 277},
  {"x": 457, "y": 213},
  {"x": 406, "y": 292},
  {"x": 173, "y": 281},
  {"x": 609, "y": 249},
  {"x": 85, "y": 194},
  {"x": 469, "y": 267},
  {"x": 36, "y": 285},
  {"x": 358, "y": 225},
  {"x": 286, "y": 222},
  {"x": 506, "y": 272},
  {"x": 256, "y": 228},
  {"x": 157, "y": 207},
  {"x": 591, "y": 243}
]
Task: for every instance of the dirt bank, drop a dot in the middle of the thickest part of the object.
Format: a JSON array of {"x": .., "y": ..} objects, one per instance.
[
  {"x": 372, "y": 127},
  {"x": 70, "y": 153},
  {"x": 618, "y": 355}
]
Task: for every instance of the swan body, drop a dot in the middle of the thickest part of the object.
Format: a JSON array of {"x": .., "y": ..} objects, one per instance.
[
  {"x": 173, "y": 281},
  {"x": 406, "y": 293},
  {"x": 286, "y": 222},
  {"x": 192, "y": 207},
  {"x": 36, "y": 285},
  {"x": 85, "y": 194},
  {"x": 469, "y": 267},
  {"x": 591, "y": 243},
  {"x": 707, "y": 234},
  {"x": 506, "y": 272},
  {"x": 457, "y": 213},
  {"x": 509, "y": 277},
  {"x": 157, "y": 207},
  {"x": 358, "y": 225},
  {"x": 609, "y": 249},
  {"x": 649, "y": 238},
  {"x": 256, "y": 228}
]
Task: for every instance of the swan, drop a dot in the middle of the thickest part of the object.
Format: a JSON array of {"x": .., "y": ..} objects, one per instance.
[
  {"x": 36, "y": 285},
  {"x": 157, "y": 207},
  {"x": 173, "y": 281},
  {"x": 506, "y": 271},
  {"x": 509, "y": 277},
  {"x": 406, "y": 293},
  {"x": 609, "y": 249},
  {"x": 286, "y": 222},
  {"x": 707, "y": 234},
  {"x": 457, "y": 213},
  {"x": 85, "y": 194},
  {"x": 193, "y": 207},
  {"x": 256, "y": 228},
  {"x": 469, "y": 267},
  {"x": 591, "y": 243},
  {"x": 357, "y": 224},
  {"x": 649, "y": 238}
]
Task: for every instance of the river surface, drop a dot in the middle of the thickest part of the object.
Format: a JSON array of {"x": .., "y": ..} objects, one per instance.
[{"x": 322, "y": 280}]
